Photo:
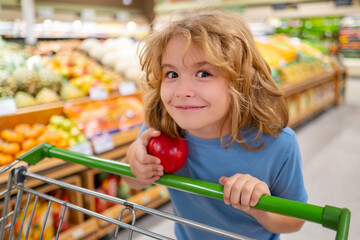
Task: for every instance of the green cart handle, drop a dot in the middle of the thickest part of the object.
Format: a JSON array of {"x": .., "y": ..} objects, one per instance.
[{"x": 334, "y": 218}]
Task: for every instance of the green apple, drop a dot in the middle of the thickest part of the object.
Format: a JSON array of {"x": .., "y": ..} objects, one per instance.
[
  {"x": 56, "y": 120},
  {"x": 74, "y": 131},
  {"x": 66, "y": 124}
]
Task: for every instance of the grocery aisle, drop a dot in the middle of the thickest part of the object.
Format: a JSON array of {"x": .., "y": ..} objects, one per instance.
[{"x": 330, "y": 146}]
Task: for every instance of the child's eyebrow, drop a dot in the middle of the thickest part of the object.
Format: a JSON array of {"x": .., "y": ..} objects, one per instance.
[
  {"x": 202, "y": 63},
  {"x": 167, "y": 65},
  {"x": 197, "y": 64}
]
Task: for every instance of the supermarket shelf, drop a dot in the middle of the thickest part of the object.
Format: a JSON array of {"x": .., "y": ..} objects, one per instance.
[
  {"x": 293, "y": 88},
  {"x": 57, "y": 168},
  {"x": 170, "y": 7},
  {"x": 85, "y": 230},
  {"x": 42, "y": 112},
  {"x": 152, "y": 197},
  {"x": 311, "y": 112}
]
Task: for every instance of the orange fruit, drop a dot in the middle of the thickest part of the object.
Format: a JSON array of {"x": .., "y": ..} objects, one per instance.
[
  {"x": 11, "y": 148},
  {"x": 28, "y": 144},
  {"x": 5, "y": 159},
  {"x": 31, "y": 133},
  {"x": 11, "y": 136},
  {"x": 22, "y": 127}
]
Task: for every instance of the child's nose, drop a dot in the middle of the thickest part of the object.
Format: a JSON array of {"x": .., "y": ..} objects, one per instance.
[{"x": 185, "y": 88}]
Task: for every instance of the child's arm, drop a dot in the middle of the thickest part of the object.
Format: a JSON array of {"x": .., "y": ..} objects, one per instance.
[
  {"x": 244, "y": 190},
  {"x": 145, "y": 167}
]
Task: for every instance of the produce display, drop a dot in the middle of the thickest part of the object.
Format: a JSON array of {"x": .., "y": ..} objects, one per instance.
[
  {"x": 321, "y": 32},
  {"x": 110, "y": 115},
  {"x": 60, "y": 132},
  {"x": 82, "y": 74},
  {"x": 172, "y": 152},
  {"x": 291, "y": 59},
  {"x": 349, "y": 37},
  {"x": 37, "y": 221},
  {"x": 25, "y": 77},
  {"x": 58, "y": 70},
  {"x": 116, "y": 53},
  {"x": 112, "y": 185}
]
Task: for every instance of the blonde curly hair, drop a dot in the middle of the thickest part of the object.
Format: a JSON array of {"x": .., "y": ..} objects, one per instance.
[{"x": 256, "y": 102}]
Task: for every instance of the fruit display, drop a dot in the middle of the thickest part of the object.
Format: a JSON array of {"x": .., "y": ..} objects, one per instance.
[
  {"x": 53, "y": 218},
  {"x": 292, "y": 59},
  {"x": 36, "y": 223},
  {"x": 112, "y": 185},
  {"x": 320, "y": 32},
  {"x": 110, "y": 115},
  {"x": 60, "y": 132},
  {"x": 27, "y": 79},
  {"x": 172, "y": 152},
  {"x": 116, "y": 53},
  {"x": 49, "y": 47},
  {"x": 69, "y": 132},
  {"x": 81, "y": 73}
]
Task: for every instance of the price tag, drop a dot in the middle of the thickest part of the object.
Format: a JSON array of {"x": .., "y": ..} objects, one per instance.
[
  {"x": 78, "y": 233},
  {"x": 103, "y": 143},
  {"x": 127, "y": 88},
  {"x": 97, "y": 93},
  {"x": 7, "y": 106},
  {"x": 84, "y": 147}
]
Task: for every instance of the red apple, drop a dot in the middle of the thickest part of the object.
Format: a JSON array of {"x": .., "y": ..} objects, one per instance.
[{"x": 172, "y": 152}]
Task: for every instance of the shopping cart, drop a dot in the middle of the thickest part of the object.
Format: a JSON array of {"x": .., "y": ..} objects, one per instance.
[{"x": 330, "y": 217}]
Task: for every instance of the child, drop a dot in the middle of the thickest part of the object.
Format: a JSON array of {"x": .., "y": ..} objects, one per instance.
[{"x": 206, "y": 82}]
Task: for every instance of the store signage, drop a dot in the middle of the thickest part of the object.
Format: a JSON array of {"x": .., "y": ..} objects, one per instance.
[
  {"x": 103, "y": 143},
  {"x": 97, "y": 93},
  {"x": 127, "y": 88},
  {"x": 7, "y": 106},
  {"x": 84, "y": 147}
]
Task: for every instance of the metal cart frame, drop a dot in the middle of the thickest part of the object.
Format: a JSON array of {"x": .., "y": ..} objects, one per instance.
[{"x": 334, "y": 218}]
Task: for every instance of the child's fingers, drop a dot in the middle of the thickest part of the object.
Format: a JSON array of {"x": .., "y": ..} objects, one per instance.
[
  {"x": 228, "y": 189},
  {"x": 149, "y": 159},
  {"x": 246, "y": 195},
  {"x": 148, "y": 134},
  {"x": 259, "y": 190}
]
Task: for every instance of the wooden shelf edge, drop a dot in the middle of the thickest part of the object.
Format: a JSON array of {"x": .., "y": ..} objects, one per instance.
[
  {"x": 293, "y": 88},
  {"x": 81, "y": 230},
  {"x": 311, "y": 112},
  {"x": 145, "y": 198}
]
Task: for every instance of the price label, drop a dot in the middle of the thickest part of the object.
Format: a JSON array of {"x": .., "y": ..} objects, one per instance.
[
  {"x": 103, "y": 143},
  {"x": 7, "y": 106},
  {"x": 84, "y": 147},
  {"x": 78, "y": 233},
  {"x": 127, "y": 88},
  {"x": 97, "y": 93}
]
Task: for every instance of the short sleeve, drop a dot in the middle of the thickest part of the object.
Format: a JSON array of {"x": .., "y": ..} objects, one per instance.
[
  {"x": 142, "y": 129},
  {"x": 289, "y": 182}
]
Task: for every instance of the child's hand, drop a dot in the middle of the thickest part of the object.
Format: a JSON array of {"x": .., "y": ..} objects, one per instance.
[
  {"x": 145, "y": 167},
  {"x": 243, "y": 190}
]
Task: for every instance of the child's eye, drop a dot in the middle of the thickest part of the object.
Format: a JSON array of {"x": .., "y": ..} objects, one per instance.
[
  {"x": 203, "y": 74},
  {"x": 172, "y": 75}
]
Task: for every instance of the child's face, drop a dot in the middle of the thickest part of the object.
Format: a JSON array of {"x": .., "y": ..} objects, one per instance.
[{"x": 195, "y": 95}]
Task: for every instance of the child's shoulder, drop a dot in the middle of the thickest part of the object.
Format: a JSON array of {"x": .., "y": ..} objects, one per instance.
[{"x": 287, "y": 137}]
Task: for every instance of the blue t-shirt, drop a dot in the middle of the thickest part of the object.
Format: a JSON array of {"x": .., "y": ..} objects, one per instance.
[{"x": 278, "y": 164}]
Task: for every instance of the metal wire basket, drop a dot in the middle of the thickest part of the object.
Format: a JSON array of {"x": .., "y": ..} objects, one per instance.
[{"x": 334, "y": 218}]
